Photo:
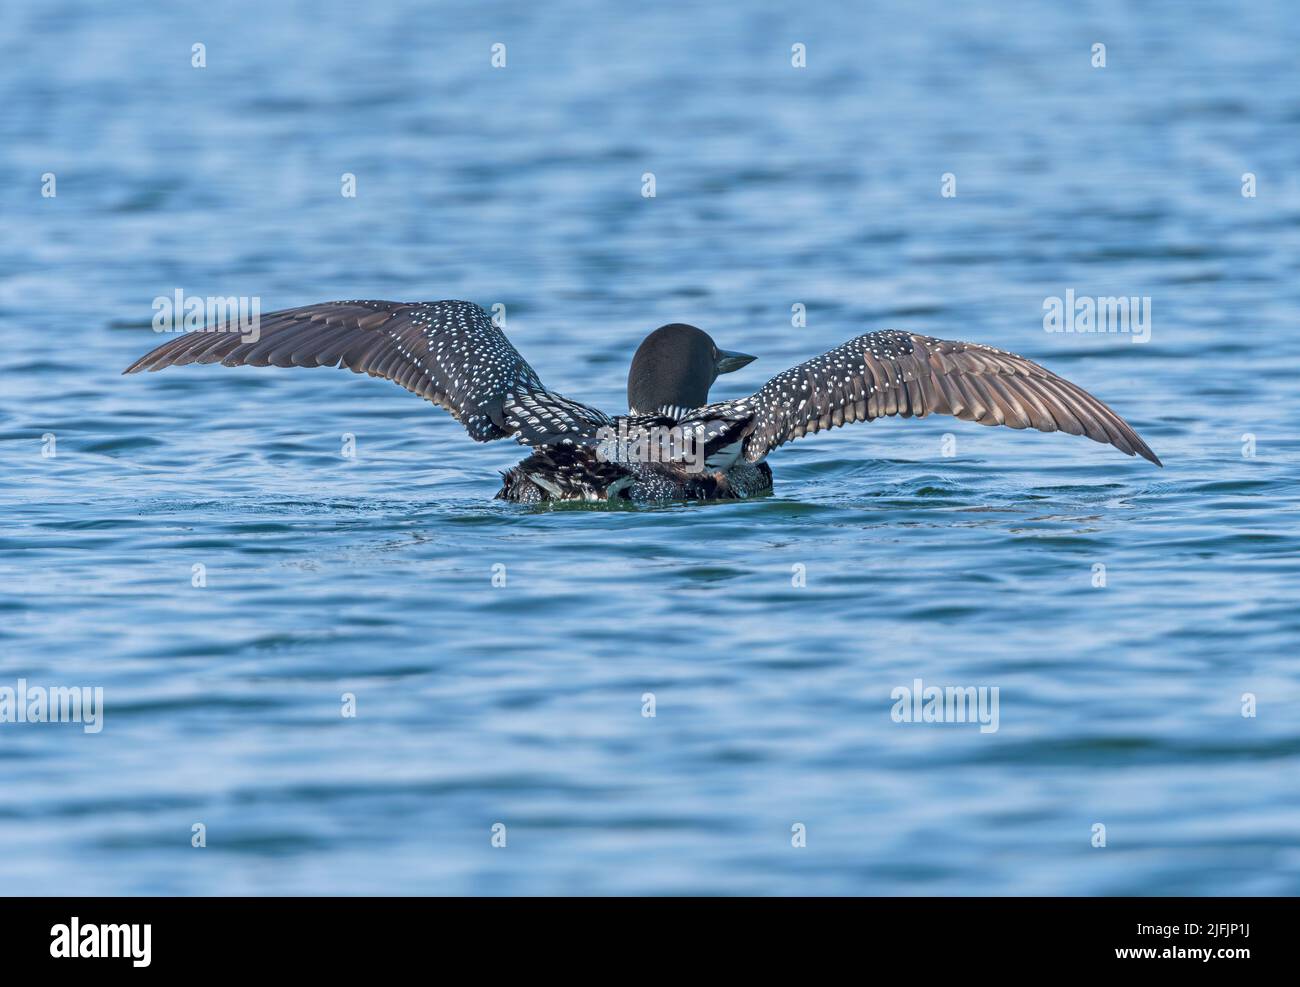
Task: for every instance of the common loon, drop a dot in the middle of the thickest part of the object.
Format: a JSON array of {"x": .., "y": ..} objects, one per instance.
[{"x": 673, "y": 444}]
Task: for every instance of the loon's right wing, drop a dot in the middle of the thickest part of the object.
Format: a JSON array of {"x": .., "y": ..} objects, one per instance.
[
  {"x": 448, "y": 352},
  {"x": 905, "y": 374}
]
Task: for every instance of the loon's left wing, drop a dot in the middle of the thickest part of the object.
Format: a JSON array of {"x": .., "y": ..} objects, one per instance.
[
  {"x": 449, "y": 353},
  {"x": 904, "y": 374}
]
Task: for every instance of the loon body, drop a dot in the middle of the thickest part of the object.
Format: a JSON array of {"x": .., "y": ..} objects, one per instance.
[
  {"x": 673, "y": 444},
  {"x": 558, "y": 473}
]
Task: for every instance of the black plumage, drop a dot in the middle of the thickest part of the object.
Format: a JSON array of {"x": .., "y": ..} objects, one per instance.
[{"x": 451, "y": 354}]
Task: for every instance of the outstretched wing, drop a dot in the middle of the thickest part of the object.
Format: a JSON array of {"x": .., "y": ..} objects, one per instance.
[
  {"x": 449, "y": 353},
  {"x": 900, "y": 373}
]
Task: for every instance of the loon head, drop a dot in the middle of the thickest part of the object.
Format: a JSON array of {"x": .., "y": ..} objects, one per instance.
[{"x": 674, "y": 367}]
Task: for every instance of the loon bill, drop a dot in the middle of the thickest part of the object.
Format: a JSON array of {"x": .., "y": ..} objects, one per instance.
[{"x": 451, "y": 354}]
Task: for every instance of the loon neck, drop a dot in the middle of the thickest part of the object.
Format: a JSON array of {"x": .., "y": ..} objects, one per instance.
[{"x": 674, "y": 411}]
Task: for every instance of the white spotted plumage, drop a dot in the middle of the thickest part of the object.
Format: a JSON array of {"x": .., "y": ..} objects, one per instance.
[{"x": 453, "y": 355}]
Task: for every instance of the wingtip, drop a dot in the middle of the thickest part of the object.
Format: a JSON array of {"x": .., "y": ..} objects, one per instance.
[
  {"x": 1144, "y": 450},
  {"x": 145, "y": 362}
]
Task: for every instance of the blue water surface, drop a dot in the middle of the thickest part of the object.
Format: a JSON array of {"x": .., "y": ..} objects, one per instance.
[{"x": 1121, "y": 705}]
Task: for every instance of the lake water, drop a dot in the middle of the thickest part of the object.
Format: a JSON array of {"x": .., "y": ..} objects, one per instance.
[{"x": 1121, "y": 705}]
